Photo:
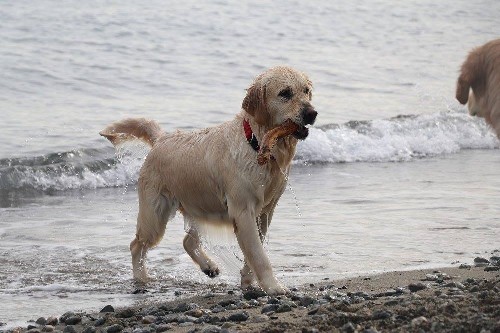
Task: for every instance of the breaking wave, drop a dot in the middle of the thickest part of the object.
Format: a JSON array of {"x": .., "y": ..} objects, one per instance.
[{"x": 398, "y": 139}]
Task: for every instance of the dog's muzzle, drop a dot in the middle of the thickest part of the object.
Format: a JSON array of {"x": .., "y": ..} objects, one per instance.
[{"x": 308, "y": 118}]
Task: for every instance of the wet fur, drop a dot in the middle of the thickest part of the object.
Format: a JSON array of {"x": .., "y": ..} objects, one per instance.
[
  {"x": 479, "y": 83},
  {"x": 212, "y": 176}
]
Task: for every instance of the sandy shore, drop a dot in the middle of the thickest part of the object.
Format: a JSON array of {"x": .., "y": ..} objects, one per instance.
[{"x": 450, "y": 299}]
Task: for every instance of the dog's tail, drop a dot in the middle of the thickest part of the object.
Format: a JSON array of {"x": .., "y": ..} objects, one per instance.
[{"x": 148, "y": 131}]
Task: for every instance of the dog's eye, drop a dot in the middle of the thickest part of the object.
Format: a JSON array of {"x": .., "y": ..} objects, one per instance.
[
  {"x": 307, "y": 91},
  {"x": 286, "y": 93}
]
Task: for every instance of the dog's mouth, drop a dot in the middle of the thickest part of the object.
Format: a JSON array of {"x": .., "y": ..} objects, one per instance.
[{"x": 301, "y": 133}]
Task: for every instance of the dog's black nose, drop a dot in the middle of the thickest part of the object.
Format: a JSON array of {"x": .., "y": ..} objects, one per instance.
[{"x": 309, "y": 115}]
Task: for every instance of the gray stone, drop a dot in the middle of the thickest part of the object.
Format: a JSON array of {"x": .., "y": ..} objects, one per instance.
[
  {"x": 69, "y": 329},
  {"x": 114, "y": 328},
  {"x": 108, "y": 308},
  {"x": 269, "y": 308},
  {"x": 227, "y": 325},
  {"x": 391, "y": 302},
  {"x": 419, "y": 322},
  {"x": 253, "y": 294},
  {"x": 253, "y": 302},
  {"x": 41, "y": 321},
  {"x": 170, "y": 318},
  {"x": 185, "y": 319},
  {"x": 148, "y": 319},
  {"x": 273, "y": 300},
  {"x": 126, "y": 313},
  {"x": 163, "y": 328},
  {"x": 369, "y": 330},
  {"x": 226, "y": 302},
  {"x": 348, "y": 328},
  {"x": 285, "y": 307},
  {"x": 52, "y": 321},
  {"x": 495, "y": 260},
  {"x": 182, "y": 307},
  {"x": 48, "y": 328},
  {"x": 66, "y": 315},
  {"x": 306, "y": 301},
  {"x": 491, "y": 268},
  {"x": 140, "y": 330},
  {"x": 474, "y": 289},
  {"x": 218, "y": 309},
  {"x": 100, "y": 321},
  {"x": 480, "y": 260},
  {"x": 197, "y": 313},
  {"x": 89, "y": 329},
  {"x": 211, "y": 329},
  {"x": 381, "y": 314},
  {"x": 259, "y": 319},
  {"x": 73, "y": 320},
  {"x": 313, "y": 311},
  {"x": 310, "y": 330},
  {"x": 414, "y": 287},
  {"x": 239, "y": 316}
]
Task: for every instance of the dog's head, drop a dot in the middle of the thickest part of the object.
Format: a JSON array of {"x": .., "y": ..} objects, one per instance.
[{"x": 278, "y": 94}]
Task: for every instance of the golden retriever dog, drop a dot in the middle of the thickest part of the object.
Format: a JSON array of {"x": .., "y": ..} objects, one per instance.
[
  {"x": 481, "y": 72},
  {"x": 212, "y": 175}
]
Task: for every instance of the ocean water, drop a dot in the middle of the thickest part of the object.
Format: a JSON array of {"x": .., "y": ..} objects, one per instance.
[{"x": 394, "y": 175}]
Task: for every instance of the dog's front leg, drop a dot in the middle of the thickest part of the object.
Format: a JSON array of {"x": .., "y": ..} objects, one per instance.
[
  {"x": 247, "y": 234},
  {"x": 247, "y": 276}
]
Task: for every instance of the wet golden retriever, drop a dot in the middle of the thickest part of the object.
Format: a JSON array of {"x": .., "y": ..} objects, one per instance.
[
  {"x": 212, "y": 175},
  {"x": 480, "y": 73}
]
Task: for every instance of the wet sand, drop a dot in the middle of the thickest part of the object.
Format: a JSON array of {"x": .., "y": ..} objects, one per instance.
[{"x": 451, "y": 299}]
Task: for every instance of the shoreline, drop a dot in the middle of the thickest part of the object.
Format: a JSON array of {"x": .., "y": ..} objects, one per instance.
[{"x": 439, "y": 300}]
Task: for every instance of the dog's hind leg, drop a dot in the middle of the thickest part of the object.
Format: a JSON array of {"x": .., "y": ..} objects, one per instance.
[
  {"x": 192, "y": 245},
  {"x": 155, "y": 209}
]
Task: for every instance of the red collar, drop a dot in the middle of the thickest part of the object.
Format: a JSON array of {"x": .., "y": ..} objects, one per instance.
[{"x": 251, "y": 138}]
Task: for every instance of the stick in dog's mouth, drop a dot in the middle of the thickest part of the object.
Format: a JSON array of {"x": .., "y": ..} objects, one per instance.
[{"x": 288, "y": 127}]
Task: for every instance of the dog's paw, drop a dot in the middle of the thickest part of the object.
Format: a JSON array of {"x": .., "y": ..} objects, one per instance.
[
  {"x": 141, "y": 278},
  {"x": 211, "y": 272},
  {"x": 248, "y": 281},
  {"x": 277, "y": 289}
]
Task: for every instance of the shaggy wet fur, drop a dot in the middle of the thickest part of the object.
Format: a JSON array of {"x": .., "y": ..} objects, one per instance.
[
  {"x": 479, "y": 83},
  {"x": 212, "y": 176}
]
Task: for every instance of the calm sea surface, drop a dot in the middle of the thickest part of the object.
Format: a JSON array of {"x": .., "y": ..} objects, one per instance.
[{"x": 394, "y": 175}]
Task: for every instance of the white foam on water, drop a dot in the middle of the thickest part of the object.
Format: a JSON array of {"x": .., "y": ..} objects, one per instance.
[{"x": 397, "y": 139}]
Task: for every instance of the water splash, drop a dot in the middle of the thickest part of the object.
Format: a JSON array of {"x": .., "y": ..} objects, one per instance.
[{"x": 290, "y": 188}]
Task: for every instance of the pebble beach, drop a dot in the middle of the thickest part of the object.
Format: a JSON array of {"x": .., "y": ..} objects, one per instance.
[{"x": 464, "y": 298}]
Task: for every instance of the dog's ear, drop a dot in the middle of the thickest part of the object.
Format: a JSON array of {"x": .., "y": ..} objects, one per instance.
[
  {"x": 471, "y": 76},
  {"x": 255, "y": 104},
  {"x": 463, "y": 86}
]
